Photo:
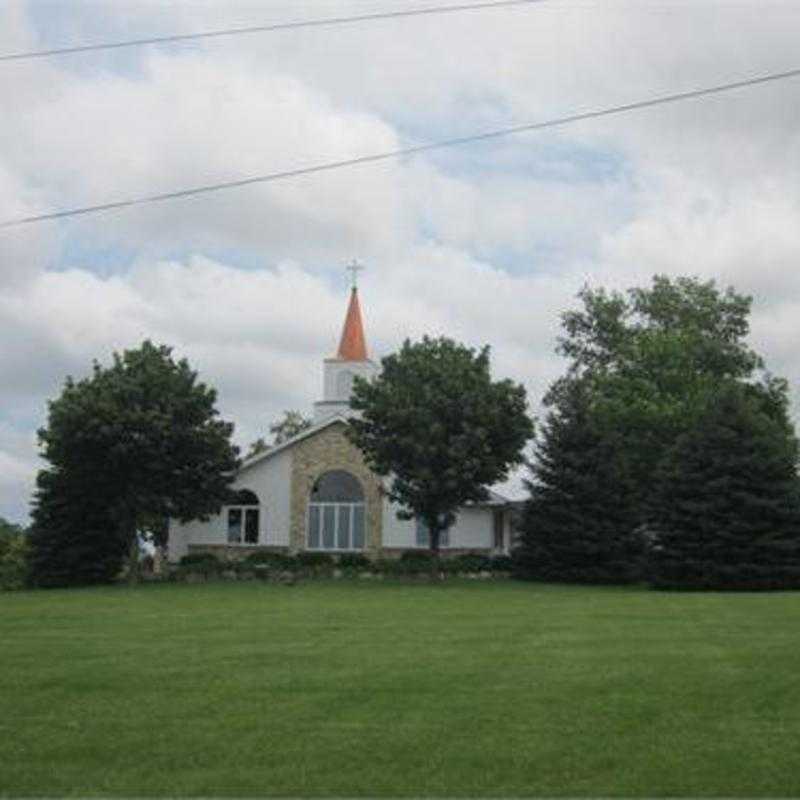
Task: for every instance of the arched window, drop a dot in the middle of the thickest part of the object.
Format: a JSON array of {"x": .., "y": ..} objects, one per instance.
[
  {"x": 336, "y": 513},
  {"x": 243, "y": 515}
]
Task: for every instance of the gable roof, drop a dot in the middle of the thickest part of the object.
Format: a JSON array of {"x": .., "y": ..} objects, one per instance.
[{"x": 493, "y": 498}]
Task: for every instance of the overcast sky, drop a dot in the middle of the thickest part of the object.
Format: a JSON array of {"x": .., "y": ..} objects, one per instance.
[{"x": 486, "y": 243}]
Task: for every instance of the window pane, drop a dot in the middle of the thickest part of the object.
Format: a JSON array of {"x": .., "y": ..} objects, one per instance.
[
  {"x": 328, "y": 527},
  {"x": 497, "y": 519},
  {"x": 444, "y": 538},
  {"x": 313, "y": 527},
  {"x": 337, "y": 486},
  {"x": 343, "y": 532},
  {"x": 423, "y": 539},
  {"x": 358, "y": 527},
  {"x": 235, "y": 525},
  {"x": 251, "y": 525}
]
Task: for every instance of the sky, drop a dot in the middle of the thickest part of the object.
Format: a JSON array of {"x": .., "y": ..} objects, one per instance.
[{"x": 487, "y": 243}]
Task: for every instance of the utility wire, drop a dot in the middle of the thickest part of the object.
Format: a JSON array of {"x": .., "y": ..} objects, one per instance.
[
  {"x": 408, "y": 151},
  {"x": 278, "y": 26}
]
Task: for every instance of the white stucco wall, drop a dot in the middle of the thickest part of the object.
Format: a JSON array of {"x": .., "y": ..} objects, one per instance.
[
  {"x": 270, "y": 480},
  {"x": 472, "y": 529}
]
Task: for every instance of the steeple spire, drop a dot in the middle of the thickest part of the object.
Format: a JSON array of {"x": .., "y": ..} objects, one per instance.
[{"x": 353, "y": 345}]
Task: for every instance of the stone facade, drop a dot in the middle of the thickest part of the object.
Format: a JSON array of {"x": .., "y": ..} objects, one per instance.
[
  {"x": 235, "y": 552},
  {"x": 329, "y": 450}
]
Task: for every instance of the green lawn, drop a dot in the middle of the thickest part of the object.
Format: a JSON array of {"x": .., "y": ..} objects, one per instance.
[{"x": 388, "y": 689}]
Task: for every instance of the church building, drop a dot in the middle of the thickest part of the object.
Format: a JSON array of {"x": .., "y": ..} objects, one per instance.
[{"x": 315, "y": 492}]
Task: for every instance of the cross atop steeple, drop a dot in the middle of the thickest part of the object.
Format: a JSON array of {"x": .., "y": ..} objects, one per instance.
[{"x": 354, "y": 267}]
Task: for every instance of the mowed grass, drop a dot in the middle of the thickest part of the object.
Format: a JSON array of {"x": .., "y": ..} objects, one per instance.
[{"x": 389, "y": 689}]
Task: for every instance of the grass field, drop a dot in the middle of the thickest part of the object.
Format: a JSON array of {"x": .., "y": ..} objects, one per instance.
[{"x": 380, "y": 689}]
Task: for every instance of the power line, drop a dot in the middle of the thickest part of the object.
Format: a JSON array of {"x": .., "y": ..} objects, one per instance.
[
  {"x": 407, "y": 151},
  {"x": 278, "y": 26}
]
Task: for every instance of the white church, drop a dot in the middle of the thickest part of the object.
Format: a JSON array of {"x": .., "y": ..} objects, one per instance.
[{"x": 315, "y": 492}]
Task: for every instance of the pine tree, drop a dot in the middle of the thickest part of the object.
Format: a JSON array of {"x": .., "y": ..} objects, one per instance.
[
  {"x": 578, "y": 525},
  {"x": 725, "y": 511},
  {"x": 73, "y": 539}
]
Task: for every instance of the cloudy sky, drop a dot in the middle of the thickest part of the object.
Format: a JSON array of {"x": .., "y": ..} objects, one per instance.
[{"x": 487, "y": 243}]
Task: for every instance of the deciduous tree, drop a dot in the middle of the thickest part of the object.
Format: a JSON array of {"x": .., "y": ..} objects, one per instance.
[
  {"x": 132, "y": 444},
  {"x": 439, "y": 427}
]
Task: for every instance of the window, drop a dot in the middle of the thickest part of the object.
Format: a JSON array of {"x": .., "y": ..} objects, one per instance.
[
  {"x": 424, "y": 535},
  {"x": 244, "y": 521},
  {"x": 344, "y": 385},
  {"x": 336, "y": 513},
  {"x": 497, "y": 526}
]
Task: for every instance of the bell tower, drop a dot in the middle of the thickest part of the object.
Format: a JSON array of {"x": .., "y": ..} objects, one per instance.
[{"x": 351, "y": 359}]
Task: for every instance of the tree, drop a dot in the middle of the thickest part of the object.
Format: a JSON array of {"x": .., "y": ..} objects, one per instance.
[
  {"x": 74, "y": 538},
  {"x": 292, "y": 423},
  {"x": 436, "y": 423},
  {"x": 13, "y": 555},
  {"x": 578, "y": 525},
  {"x": 257, "y": 447},
  {"x": 653, "y": 358},
  {"x": 133, "y": 444},
  {"x": 725, "y": 512}
]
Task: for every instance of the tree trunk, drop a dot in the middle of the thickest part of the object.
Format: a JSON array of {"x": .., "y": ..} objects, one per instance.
[{"x": 435, "y": 534}]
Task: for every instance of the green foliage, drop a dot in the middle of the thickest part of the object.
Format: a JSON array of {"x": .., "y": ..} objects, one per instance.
[
  {"x": 292, "y": 423},
  {"x": 579, "y": 524},
  {"x": 354, "y": 561},
  {"x": 725, "y": 512},
  {"x": 315, "y": 563},
  {"x": 652, "y": 358},
  {"x": 206, "y": 564},
  {"x": 273, "y": 561},
  {"x": 502, "y": 564},
  {"x": 74, "y": 539},
  {"x": 130, "y": 446},
  {"x": 436, "y": 423},
  {"x": 288, "y": 426},
  {"x": 471, "y": 562},
  {"x": 14, "y": 549}
]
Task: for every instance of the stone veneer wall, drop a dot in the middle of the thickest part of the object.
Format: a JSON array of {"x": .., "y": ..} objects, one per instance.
[{"x": 327, "y": 450}]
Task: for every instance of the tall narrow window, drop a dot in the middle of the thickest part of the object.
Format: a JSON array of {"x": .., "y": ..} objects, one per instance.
[
  {"x": 244, "y": 518},
  {"x": 336, "y": 513},
  {"x": 498, "y": 519}
]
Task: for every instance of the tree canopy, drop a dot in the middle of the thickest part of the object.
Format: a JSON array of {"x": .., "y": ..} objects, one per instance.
[
  {"x": 725, "y": 510},
  {"x": 135, "y": 442},
  {"x": 646, "y": 365},
  {"x": 579, "y": 525},
  {"x": 436, "y": 423}
]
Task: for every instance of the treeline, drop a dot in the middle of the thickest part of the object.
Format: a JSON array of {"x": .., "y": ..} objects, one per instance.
[{"x": 667, "y": 454}]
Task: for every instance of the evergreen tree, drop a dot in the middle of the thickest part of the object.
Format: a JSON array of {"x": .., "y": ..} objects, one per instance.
[
  {"x": 73, "y": 539},
  {"x": 578, "y": 524},
  {"x": 725, "y": 510}
]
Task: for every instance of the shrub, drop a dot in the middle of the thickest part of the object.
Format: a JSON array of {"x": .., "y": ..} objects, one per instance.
[
  {"x": 501, "y": 564},
  {"x": 354, "y": 561},
  {"x": 315, "y": 563},
  {"x": 273, "y": 561},
  {"x": 200, "y": 563},
  {"x": 472, "y": 562},
  {"x": 13, "y": 562}
]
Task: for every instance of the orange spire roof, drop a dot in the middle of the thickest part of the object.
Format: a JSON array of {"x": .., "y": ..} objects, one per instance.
[{"x": 353, "y": 346}]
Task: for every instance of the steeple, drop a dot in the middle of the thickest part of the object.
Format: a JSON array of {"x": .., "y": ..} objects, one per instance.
[
  {"x": 353, "y": 345},
  {"x": 351, "y": 360}
]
